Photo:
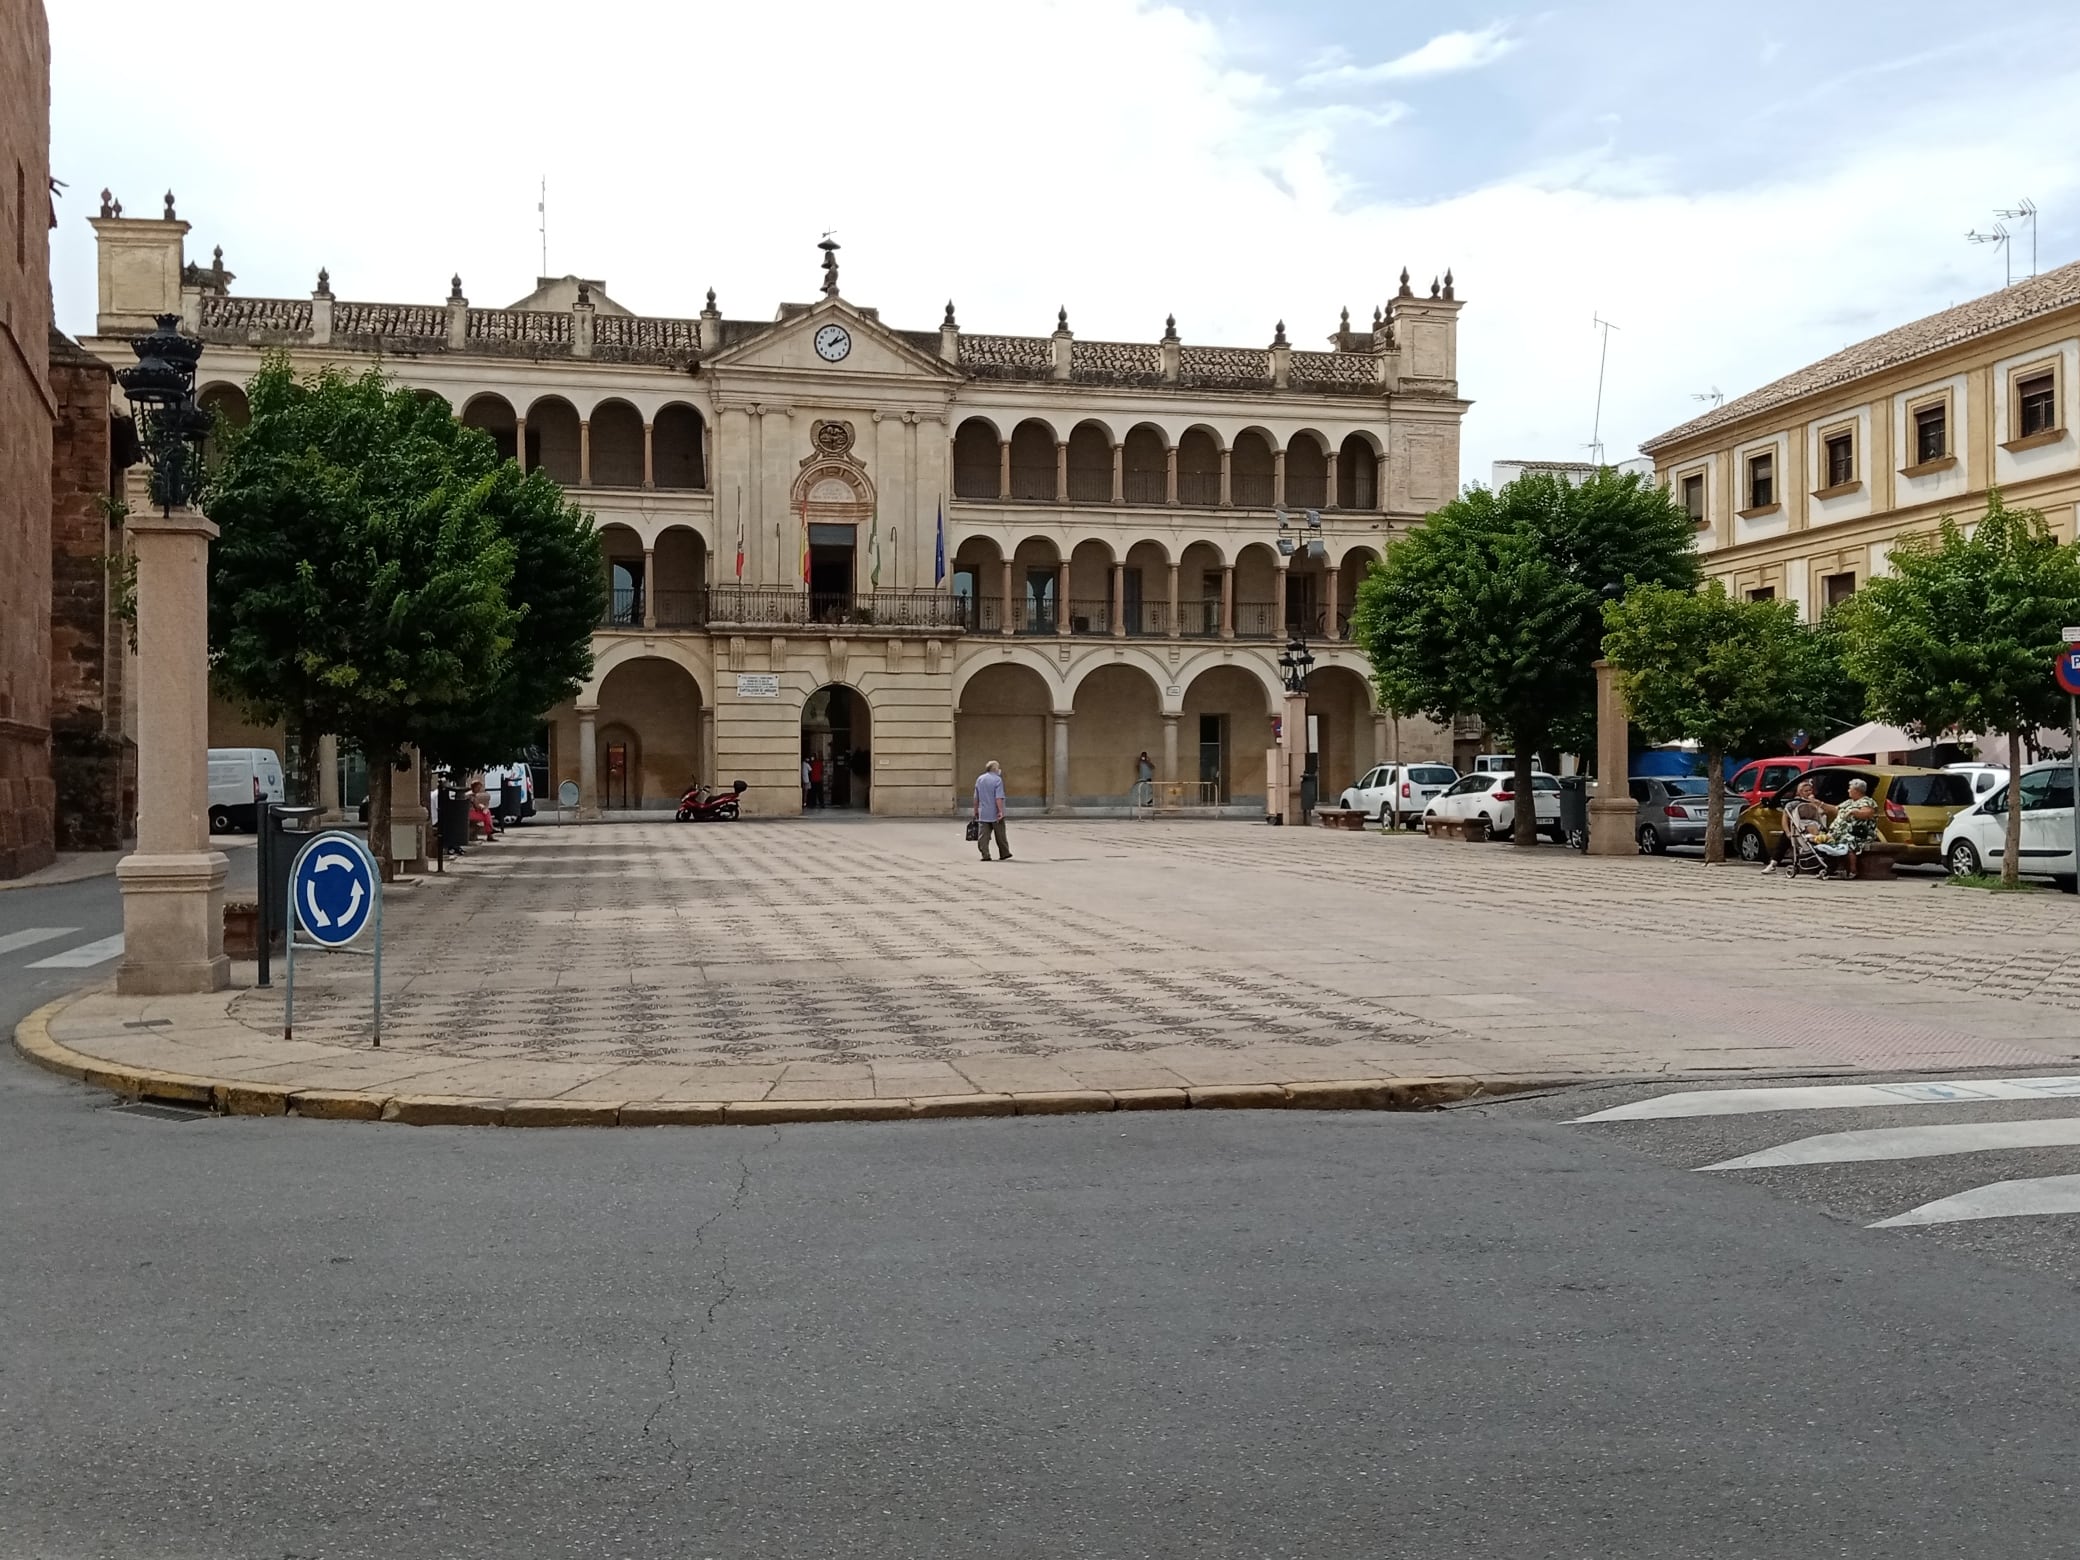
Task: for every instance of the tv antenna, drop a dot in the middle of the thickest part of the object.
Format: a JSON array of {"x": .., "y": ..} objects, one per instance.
[
  {"x": 1714, "y": 395},
  {"x": 2025, "y": 210},
  {"x": 1998, "y": 236},
  {"x": 541, "y": 207},
  {"x": 1603, "y": 356}
]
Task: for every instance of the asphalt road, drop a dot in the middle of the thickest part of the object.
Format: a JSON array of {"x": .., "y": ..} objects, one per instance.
[{"x": 1489, "y": 1332}]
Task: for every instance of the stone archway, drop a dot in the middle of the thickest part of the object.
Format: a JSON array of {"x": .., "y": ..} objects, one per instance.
[
  {"x": 837, "y": 744},
  {"x": 833, "y": 501}
]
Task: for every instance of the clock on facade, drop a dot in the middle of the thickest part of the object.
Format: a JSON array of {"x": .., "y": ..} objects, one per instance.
[{"x": 833, "y": 342}]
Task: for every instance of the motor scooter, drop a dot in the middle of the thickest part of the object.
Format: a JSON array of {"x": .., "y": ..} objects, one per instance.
[{"x": 704, "y": 804}]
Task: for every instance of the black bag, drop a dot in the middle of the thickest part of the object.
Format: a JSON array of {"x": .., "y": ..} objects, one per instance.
[{"x": 974, "y": 830}]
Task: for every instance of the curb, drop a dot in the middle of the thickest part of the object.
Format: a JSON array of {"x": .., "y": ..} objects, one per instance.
[{"x": 226, "y": 1097}]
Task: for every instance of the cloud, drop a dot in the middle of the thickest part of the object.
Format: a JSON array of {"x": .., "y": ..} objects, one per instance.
[{"x": 1444, "y": 55}]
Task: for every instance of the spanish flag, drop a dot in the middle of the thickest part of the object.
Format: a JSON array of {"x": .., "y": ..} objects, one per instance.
[{"x": 805, "y": 544}]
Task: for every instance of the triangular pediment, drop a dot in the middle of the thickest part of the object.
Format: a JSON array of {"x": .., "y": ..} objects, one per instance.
[{"x": 870, "y": 349}]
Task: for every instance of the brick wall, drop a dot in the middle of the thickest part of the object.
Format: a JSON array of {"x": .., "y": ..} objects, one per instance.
[
  {"x": 94, "y": 766},
  {"x": 27, "y": 796}
]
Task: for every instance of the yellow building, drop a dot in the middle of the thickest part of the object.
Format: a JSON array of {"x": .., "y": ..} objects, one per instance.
[
  {"x": 776, "y": 495},
  {"x": 1799, "y": 489}
]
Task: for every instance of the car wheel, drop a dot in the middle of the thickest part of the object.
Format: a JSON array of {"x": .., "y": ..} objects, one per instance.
[
  {"x": 1750, "y": 846},
  {"x": 1962, "y": 859},
  {"x": 220, "y": 820},
  {"x": 1649, "y": 841}
]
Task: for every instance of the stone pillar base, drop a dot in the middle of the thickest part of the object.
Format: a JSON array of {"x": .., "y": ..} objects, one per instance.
[
  {"x": 588, "y": 814},
  {"x": 1610, "y": 826},
  {"x": 173, "y": 924}
]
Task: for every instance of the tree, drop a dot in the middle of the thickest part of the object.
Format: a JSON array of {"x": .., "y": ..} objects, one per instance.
[
  {"x": 1492, "y": 606},
  {"x": 360, "y": 574},
  {"x": 1728, "y": 675},
  {"x": 1964, "y": 632}
]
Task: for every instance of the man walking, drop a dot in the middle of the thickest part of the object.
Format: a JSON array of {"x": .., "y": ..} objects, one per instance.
[{"x": 989, "y": 810}]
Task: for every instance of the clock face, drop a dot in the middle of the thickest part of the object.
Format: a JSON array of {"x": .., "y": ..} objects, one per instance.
[{"x": 833, "y": 342}]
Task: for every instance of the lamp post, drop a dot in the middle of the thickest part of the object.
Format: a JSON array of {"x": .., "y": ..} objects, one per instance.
[{"x": 173, "y": 885}]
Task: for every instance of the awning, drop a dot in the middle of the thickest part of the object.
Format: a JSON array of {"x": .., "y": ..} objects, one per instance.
[{"x": 1872, "y": 737}]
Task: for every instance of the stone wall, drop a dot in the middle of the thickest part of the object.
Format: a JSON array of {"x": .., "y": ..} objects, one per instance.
[
  {"x": 93, "y": 764},
  {"x": 28, "y": 799}
]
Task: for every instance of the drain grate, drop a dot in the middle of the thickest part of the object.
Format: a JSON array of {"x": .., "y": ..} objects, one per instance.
[{"x": 162, "y": 1110}]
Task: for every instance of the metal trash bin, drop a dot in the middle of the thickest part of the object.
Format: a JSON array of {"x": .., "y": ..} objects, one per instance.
[
  {"x": 1574, "y": 811},
  {"x": 282, "y": 831},
  {"x": 454, "y": 820}
]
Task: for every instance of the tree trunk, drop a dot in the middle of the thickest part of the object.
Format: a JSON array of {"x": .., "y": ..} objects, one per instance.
[
  {"x": 1715, "y": 804},
  {"x": 381, "y": 781},
  {"x": 1524, "y": 821},
  {"x": 310, "y": 765},
  {"x": 2011, "y": 849}
]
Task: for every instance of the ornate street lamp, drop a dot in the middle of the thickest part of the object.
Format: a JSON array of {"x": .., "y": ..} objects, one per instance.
[
  {"x": 1295, "y": 662},
  {"x": 170, "y": 426}
]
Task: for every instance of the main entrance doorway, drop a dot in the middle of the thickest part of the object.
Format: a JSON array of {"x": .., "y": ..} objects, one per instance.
[{"x": 837, "y": 742}]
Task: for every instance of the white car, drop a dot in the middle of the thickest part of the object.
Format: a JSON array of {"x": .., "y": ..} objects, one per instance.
[
  {"x": 1977, "y": 839},
  {"x": 1984, "y": 777},
  {"x": 1405, "y": 789},
  {"x": 1493, "y": 798}
]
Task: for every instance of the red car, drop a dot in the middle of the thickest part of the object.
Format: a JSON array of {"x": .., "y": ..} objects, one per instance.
[{"x": 1752, "y": 782}]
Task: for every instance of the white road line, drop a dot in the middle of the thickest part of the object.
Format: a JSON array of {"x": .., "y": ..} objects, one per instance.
[
  {"x": 1964, "y": 1137},
  {"x": 2000, "y": 1200},
  {"x": 85, "y": 955},
  {"x": 33, "y": 936},
  {"x": 1837, "y": 1096}
]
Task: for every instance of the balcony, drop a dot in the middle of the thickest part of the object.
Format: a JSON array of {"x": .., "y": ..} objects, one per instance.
[
  {"x": 674, "y": 609},
  {"x": 786, "y": 607}
]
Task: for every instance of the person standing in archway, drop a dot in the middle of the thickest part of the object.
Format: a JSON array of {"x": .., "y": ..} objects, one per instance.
[
  {"x": 989, "y": 810},
  {"x": 808, "y": 796},
  {"x": 1144, "y": 781}
]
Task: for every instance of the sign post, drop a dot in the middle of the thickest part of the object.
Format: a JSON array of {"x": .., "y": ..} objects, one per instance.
[{"x": 335, "y": 894}]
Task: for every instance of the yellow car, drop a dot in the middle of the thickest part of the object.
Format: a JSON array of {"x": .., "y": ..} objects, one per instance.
[{"x": 1914, "y": 807}]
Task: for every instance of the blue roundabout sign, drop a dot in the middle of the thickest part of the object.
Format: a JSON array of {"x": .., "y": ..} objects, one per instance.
[{"x": 333, "y": 887}]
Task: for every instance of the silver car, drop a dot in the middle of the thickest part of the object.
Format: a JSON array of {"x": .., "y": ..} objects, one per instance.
[{"x": 1673, "y": 811}]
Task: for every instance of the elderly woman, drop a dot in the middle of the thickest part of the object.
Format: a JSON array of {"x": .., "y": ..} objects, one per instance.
[{"x": 1855, "y": 824}]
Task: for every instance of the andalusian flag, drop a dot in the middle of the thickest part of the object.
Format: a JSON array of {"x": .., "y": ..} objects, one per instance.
[
  {"x": 874, "y": 547},
  {"x": 939, "y": 553},
  {"x": 805, "y": 543}
]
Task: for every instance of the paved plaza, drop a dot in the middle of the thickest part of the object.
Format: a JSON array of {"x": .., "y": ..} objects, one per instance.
[{"x": 879, "y": 960}]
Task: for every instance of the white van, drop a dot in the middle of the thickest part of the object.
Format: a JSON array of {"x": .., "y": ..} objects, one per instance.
[
  {"x": 1977, "y": 839},
  {"x": 239, "y": 780},
  {"x": 1495, "y": 764}
]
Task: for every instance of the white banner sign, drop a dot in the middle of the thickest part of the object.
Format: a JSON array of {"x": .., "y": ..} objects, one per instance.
[{"x": 758, "y": 685}]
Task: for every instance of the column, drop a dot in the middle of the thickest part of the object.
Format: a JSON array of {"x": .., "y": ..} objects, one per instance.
[
  {"x": 1333, "y": 591},
  {"x": 1061, "y": 596},
  {"x": 408, "y": 813},
  {"x": 649, "y": 587},
  {"x": 1058, "y": 790},
  {"x": 1173, "y": 628},
  {"x": 1005, "y": 626},
  {"x": 520, "y": 441},
  {"x": 1170, "y": 475},
  {"x": 588, "y": 762},
  {"x": 1611, "y": 808},
  {"x": 1227, "y": 497},
  {"x": 1278, "y": 599},
  {"x": 1003, "y": 468},
  {"x": 1170, "y": 747},
  {"x": 173, "y": 885},
  {"x": 649, "y": 456},
  {"x": 1119, "y": 473},
  {"x": 328, "y": 780},
  {"x": 584, "y": 452},
  {"x": 1061, "y": 471},
  {"x": 1119, "y": 599},
  {"x": 1278, "y": 478},
  {"x": 1227, "y": 601},
  {"x": 709, "y": 772}
]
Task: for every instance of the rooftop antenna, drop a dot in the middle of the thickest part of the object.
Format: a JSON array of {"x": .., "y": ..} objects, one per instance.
[
  {"x": 541, "y": 207},
  {"x": 1602, "y": 356},
  {"x": 2026, "y": 210},
  {"x": 1714, "y": 395},
  {"x": 1999, "y": 236}
]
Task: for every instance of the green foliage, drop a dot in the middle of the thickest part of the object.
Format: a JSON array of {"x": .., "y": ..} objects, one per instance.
[
  {"x": 1964, "y": 632},
  {"x": 1492, "y": 606},
  {"x": 1731, "y": 676}
]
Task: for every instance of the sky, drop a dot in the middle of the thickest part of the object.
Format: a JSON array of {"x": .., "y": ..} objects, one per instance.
[{"x": 1738, "y": 188}]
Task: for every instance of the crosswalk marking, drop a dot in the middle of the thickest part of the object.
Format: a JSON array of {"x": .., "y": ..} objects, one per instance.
[
  {"x": 1965, "y": 1137},
  {"x": 2000, "y": 1200},
  {"x": 1837, "y": 1096},
  {"x": 33, "y": 935},
  {"x": 84, "y": 956}
]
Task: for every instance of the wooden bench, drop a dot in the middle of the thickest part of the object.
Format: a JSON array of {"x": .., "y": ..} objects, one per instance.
[
  {"x": 1341, "y": 817},
  {"x": 1876, "y": 861},
  {"x": 1456, "y": 828}
]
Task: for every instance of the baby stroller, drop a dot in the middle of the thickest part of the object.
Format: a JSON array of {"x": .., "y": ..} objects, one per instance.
[{"x": 1804, "y": 848}]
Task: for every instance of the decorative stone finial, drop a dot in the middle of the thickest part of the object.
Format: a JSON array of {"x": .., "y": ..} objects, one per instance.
[
  {"x": 829, "y": 246},
  {"x": 1375, "y": 318},
  {"x": 1170, "y": 327},
  {"x": 1343, "y": 324},
  {"x": 1278, "y": 338},
  {"x": 216, "y": 260},
  {"x": 324, "y": 283},
  {"x": 1404, "y": 293},
  {"x": 108, "y": 208},
  {"x": 1448, "y": 281},
  {"x": 949, "y": 323},
  {"x": 1061, "y": 318},
  {"x": 1433, "y": 287},
  {"x": 584, "y": 295},
  {"x": 170, "y": 217},
  {"x": 455, "y": 288},
  {"x": 711, "y": 300}
]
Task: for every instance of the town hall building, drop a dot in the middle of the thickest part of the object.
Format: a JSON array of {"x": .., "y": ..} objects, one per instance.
[{"x": 909, "y": 551}]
